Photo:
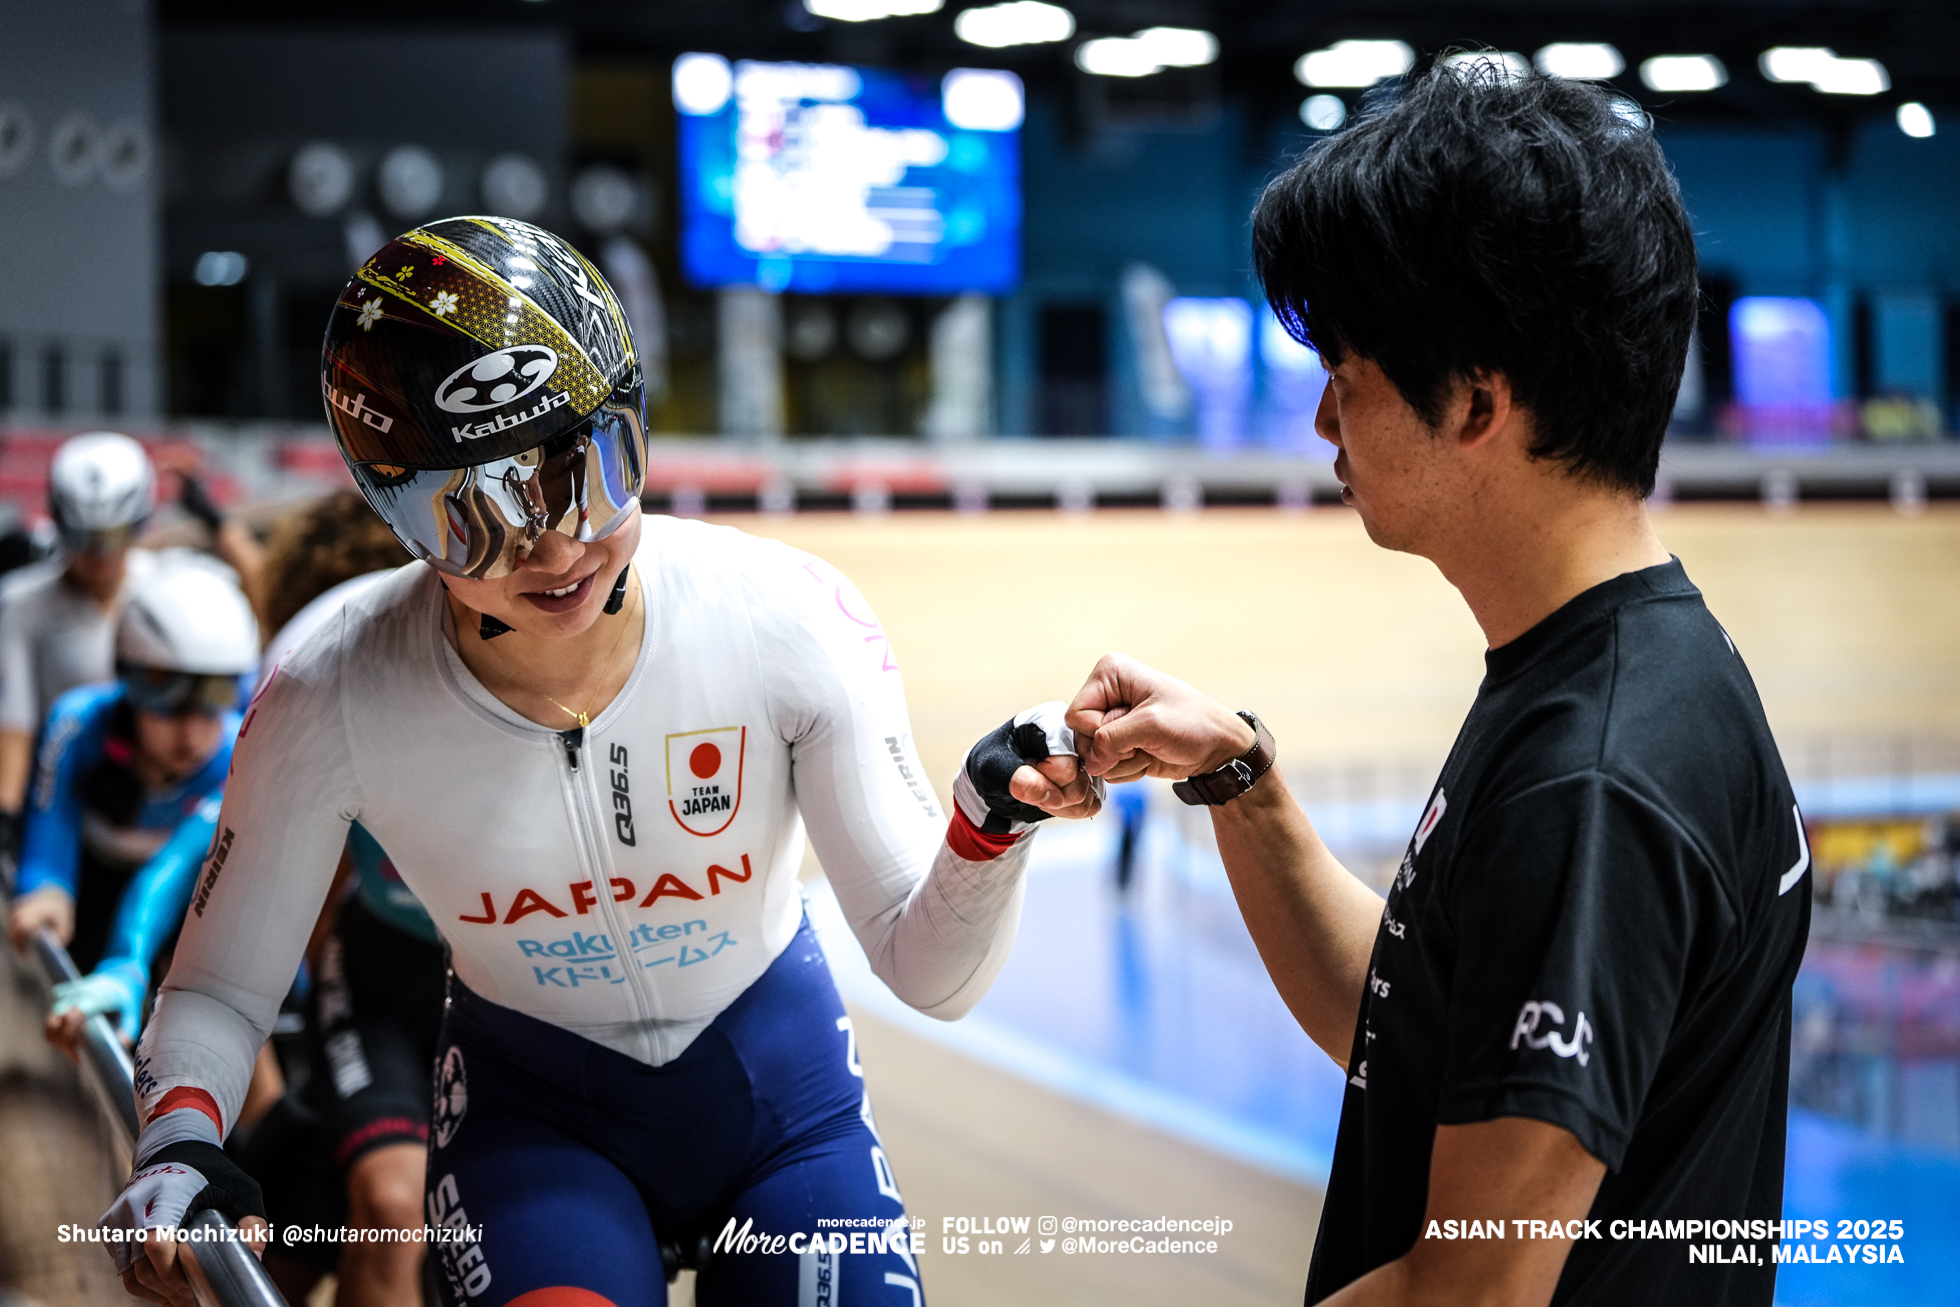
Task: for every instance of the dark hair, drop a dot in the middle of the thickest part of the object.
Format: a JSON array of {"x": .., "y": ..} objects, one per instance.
[
  {"x": 312, "y": 549},
  {"x": 1471, "y": 220}
]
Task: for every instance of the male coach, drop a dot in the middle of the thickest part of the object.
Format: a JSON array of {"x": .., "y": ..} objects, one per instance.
[{"x": 1576, "y": 1001}]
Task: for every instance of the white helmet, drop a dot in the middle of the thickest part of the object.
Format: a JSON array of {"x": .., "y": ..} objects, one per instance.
[
  {"x": 100, "y": 489},
  {"x": 185, "y": 637}
]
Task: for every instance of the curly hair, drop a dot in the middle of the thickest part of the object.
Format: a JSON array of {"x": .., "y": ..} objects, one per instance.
[{"x": 315, "y": 547}]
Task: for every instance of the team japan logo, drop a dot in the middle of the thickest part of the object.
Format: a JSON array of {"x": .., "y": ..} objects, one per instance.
[
  {"x": 1405, "y": 875},
  {"x": 1430, "y": 817},
  {"x": 704, "y": 777},
  {"x": 496, "y": 379}
]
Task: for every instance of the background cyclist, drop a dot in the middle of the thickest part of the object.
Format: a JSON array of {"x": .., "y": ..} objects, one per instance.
[
  {"x": 125, "y": 802},
  {"x": 58, "y": 616}
]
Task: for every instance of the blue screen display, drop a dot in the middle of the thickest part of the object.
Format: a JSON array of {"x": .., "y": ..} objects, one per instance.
[{"x": 824, "y": 178}]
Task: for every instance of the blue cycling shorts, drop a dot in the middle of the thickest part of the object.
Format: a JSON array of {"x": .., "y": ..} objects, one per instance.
[{"x": 753, "y": 1152}]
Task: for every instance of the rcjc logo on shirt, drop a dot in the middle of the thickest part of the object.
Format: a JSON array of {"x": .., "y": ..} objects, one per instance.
[{"x": 1527, "y": 1031}]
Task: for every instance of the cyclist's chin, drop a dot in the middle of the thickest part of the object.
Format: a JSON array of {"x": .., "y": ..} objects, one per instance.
[{"x": 519, "y": 604}]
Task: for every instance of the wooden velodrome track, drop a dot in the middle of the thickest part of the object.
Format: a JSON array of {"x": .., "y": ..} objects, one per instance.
[{"x": 1849, "y": 617}]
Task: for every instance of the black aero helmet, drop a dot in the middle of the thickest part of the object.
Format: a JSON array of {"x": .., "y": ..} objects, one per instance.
[{"x": 483, "y": 387}]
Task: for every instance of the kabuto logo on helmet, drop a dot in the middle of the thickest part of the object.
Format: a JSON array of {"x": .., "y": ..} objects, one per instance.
[{"x": 496, "y": 379}]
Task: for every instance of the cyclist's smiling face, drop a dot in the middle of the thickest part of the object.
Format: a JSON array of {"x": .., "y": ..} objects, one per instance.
[{"x": 524, "y": 599}]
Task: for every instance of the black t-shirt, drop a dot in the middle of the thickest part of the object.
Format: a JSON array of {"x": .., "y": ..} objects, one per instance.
[{"x": 1597, "y": 925}]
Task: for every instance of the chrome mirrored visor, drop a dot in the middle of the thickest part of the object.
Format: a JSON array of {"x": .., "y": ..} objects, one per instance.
[{"x": 478, "y": 521}]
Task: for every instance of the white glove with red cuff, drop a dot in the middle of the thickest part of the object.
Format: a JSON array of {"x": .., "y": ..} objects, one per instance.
[{"x": 171, "y": 1184}]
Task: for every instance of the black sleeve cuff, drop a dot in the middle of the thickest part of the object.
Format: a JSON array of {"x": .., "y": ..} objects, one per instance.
[{"x": 1598, "y": 1136}]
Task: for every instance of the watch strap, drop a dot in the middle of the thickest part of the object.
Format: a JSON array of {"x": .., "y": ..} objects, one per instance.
[{"x": 1214, "y": 788}]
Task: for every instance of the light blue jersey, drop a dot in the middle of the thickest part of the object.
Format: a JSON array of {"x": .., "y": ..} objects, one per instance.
[
  {"x": 81, "y": 734},
  {"x": 83, "y": 840}
]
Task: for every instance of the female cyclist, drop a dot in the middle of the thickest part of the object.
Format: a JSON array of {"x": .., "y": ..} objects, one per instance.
[{"x": 591, "y": 744}]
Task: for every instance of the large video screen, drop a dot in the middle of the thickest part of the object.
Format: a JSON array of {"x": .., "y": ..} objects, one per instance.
[{"x": 823, "y": 178}]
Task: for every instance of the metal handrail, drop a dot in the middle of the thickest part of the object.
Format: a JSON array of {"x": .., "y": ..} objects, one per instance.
[
  {"x": 111, "y": 1074},
  {"x": 224, "y": 1272}
]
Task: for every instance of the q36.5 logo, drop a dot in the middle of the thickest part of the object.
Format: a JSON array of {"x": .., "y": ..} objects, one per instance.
[{"x": 496, "y": 379}]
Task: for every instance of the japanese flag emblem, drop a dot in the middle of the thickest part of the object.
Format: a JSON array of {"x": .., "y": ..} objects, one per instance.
[
  {"x": 1430, "y": 817},
  {"x": 704, "y": 777}
]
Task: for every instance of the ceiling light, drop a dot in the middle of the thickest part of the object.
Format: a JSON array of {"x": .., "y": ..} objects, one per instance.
[
  {"x": 1354, "y": 63},
  {"x": 1915, "y": 119},
  {"x": 982, "y": 99},
  {"x": 1323, "y": 112},
  {"x": 1020, "y": 22},
  {"x": 1580, "y": 61},
  {"x": 1150, "y": 51},
  {"x": 1796, "y": 63},
  {"x": 1509, "y": 63},
  {"x": 1825, "y": 70},
  {"x": 1683, "y": 72},
  {"x": 320, "y": 179},
  {"x": 865, "y": 11},
  {"x": 220, "y": 268},
  {"x": 1179, "y": 47},
  {"x": 1855, "y": 77},
  {"x": 604, "y": 199},
  {"x": 515, "y": 186},
  {"x": 409, "y": 181},
  {"x": 702, "y": 83},
  {"x": 1115, "y": 56}
]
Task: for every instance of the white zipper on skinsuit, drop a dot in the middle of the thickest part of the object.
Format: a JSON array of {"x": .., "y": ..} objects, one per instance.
[{"x": 599, "y": 867}]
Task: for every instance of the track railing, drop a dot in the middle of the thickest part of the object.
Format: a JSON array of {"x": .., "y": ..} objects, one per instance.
[
  {"x": 222, "y": 1269},
  {"x": 106, "y": 1065}
]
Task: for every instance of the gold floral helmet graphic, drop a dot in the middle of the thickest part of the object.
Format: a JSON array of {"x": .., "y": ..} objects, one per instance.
[{"x": 483, "y": 387}]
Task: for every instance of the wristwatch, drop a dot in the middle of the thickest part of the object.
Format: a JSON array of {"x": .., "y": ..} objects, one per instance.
[{"x": 1235, "y": 777}]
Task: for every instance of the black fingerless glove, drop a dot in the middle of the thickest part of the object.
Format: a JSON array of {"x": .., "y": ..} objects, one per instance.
[
  {"x": 227, "y": 1189},
  {"x": 991, "y": 765}
]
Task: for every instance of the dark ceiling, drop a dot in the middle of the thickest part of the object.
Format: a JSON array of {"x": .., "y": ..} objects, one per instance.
[{"x": 1917, "y": 40}]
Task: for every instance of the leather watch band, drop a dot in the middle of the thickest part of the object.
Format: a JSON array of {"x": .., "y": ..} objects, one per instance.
[{"x": 1235, "y": 777}]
